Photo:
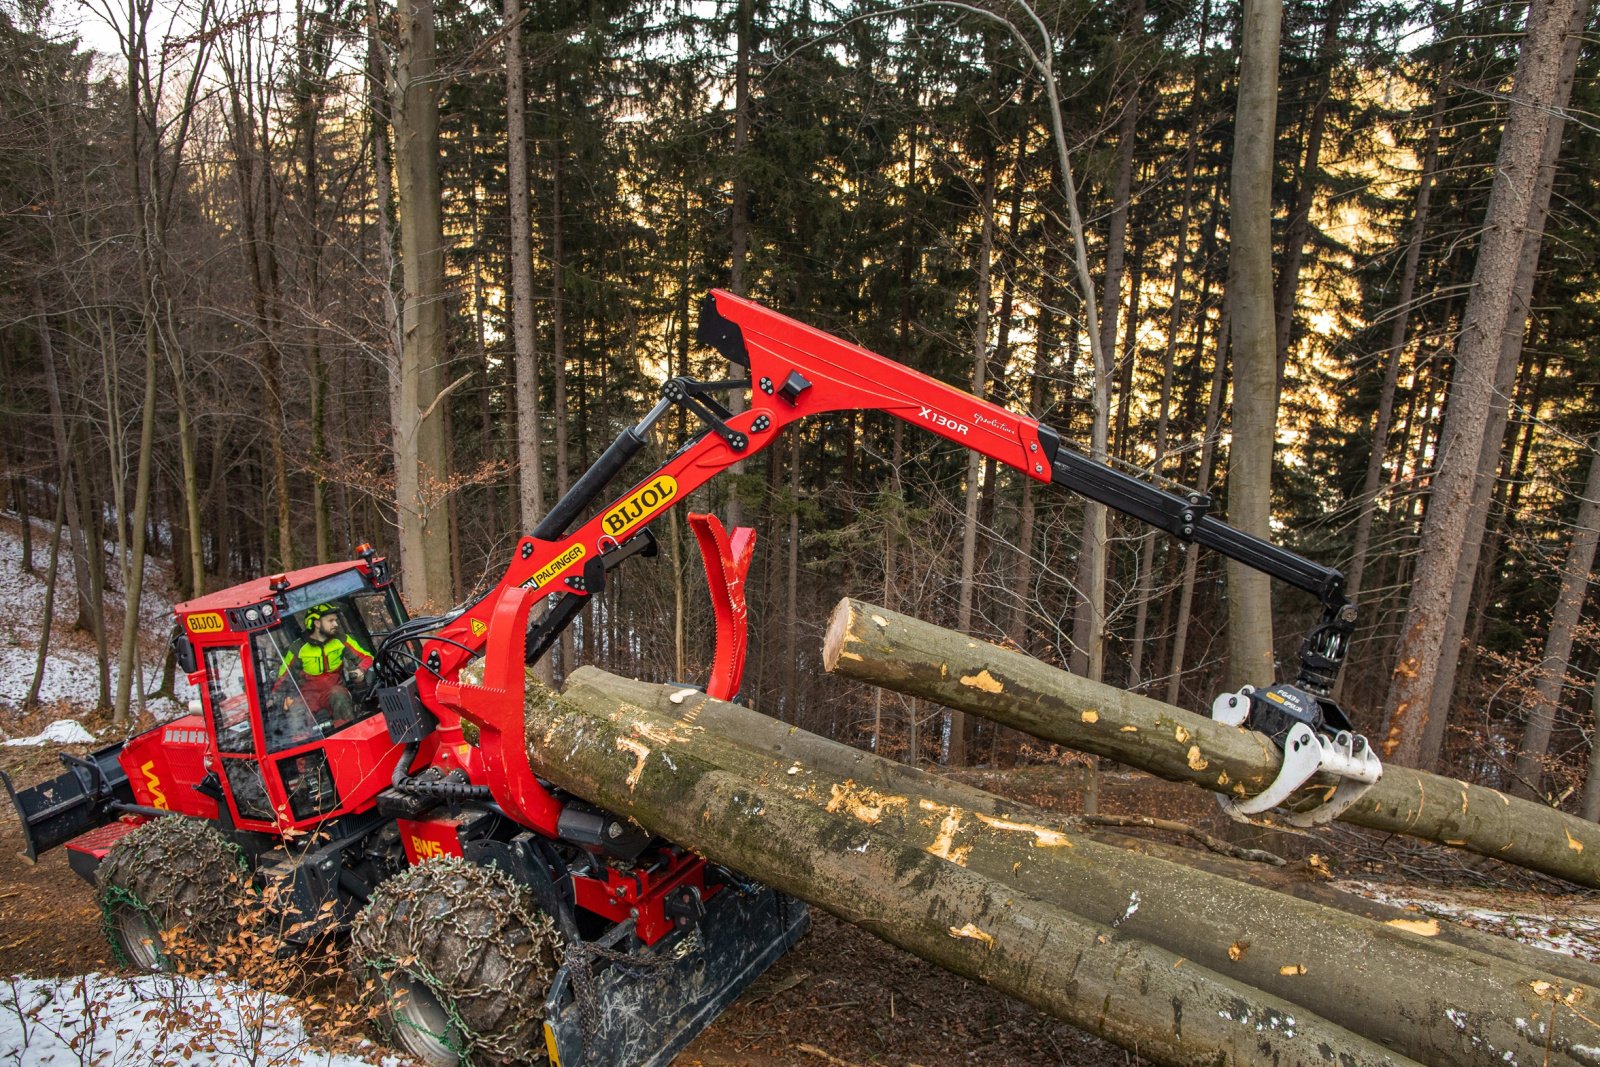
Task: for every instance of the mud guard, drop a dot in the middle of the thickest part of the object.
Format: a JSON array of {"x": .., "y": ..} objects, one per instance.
[
  {"x": 58, "y": 810},
  {"x": 644, "y": 1008}
]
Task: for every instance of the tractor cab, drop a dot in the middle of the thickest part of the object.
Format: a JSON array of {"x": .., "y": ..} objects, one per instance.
[{"x": 284, "y": 666}]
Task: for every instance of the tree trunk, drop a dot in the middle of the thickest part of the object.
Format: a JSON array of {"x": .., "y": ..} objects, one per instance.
[
  {"x": 422, "y": 455},
  {"x": 1591, "y": 783},
  {"x": 739, "y": 222},
  {"x": 1208, "y": 455},
  {"x": 530, "y": 445},
  {"x": 1511, "y": 338},
  {"x": 872, "y": 644},
  {"x": 956, "y": 755},
  {"x": 133, "y": 578},
  {"x": 558, "y": 350},
  {"x": 1137, "y": 894},
  {"x": 1254, "y": 340},
  {"x": 1534, "y": 97},
  {"x": 960, "y": 918},
  {"x": 1383, "y": 419},
  {"x": 88, "y": 608},
  {"x": 1305, "y": 192},
  {"x": 1552, "y": 673},
  {"x": 49, "y": 610}
]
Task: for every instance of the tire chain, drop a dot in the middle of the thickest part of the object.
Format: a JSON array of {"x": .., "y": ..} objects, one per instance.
[
  {"x": 469, "y": 915},
  {"x": 180, "y": 872}
]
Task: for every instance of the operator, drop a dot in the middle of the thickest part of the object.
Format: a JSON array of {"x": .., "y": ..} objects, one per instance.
[{"x": 323, "y": 662}]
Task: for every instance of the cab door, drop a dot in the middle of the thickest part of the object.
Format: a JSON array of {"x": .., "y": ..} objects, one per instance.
[{"x": 236, "y": 727}]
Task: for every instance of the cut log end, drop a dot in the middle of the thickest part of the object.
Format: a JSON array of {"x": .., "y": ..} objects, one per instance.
[{"x": 838, "y": 630}]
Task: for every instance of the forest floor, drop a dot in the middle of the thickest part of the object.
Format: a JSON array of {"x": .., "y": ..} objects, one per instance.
[{"x": 842, "y": 998}]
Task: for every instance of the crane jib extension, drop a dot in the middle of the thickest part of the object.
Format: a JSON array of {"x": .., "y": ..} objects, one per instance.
[{"x": 796, "y": 371}]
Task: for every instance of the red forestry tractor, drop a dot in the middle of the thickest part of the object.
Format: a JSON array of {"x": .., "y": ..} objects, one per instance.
[{"x": 338, "y": 761}]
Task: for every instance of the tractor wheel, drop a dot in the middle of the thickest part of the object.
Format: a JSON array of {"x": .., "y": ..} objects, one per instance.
[
  {"x": 169, "y": 891},
  {"x": 456, "y": 960}
]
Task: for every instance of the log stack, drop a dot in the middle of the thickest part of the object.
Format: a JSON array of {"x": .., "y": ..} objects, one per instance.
[{"x": 1185, "y": 966}]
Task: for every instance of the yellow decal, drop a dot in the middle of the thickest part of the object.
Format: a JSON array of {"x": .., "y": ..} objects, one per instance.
[
  {"x": 640, "y": 504},
  {"x": 425, "y": 849},
  {"x": 479, "y": 627},
  {"x": 553, "y": 570},
  {"x": 153, "y": 784},
  {"x": 208, "y": 622}
]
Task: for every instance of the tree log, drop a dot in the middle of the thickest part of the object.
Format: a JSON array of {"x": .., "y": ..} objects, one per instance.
[
  {"x": 787, "y": 745},
  {"x": 873, "y": 644},
  {"x": 1173, "y": 1011},
  {"x": 1458, "y": 1003}
]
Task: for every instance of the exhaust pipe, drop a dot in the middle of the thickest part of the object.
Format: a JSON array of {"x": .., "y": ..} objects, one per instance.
[{"x": 89, "y": 795}]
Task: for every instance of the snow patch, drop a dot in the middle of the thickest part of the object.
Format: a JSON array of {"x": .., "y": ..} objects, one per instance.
[
  {"x": 204, "y": 1021},
  {"x": 60, "y": 732}
]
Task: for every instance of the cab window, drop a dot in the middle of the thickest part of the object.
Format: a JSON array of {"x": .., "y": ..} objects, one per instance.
[
  {"x": 230, "y": 701},
  {"x": 314, "y": 671}
]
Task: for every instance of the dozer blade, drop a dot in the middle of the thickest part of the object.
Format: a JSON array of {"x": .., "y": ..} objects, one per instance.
[
  {"x": 58, "y": 810},
  {"x": 640, "y": 1011}
]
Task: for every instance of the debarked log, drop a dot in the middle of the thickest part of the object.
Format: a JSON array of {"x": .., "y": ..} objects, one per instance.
[
  {"x": 1171, "y": 1010},
  {"x": 1405, "y": 983},
  {"x": 883, "y": 647}
]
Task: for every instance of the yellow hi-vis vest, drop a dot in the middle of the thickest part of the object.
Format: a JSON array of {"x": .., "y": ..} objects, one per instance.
[{"x": 314, "y": 659}]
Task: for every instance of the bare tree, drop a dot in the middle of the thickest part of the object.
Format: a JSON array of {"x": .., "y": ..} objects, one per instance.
[
  {"x": 1553, "y": 665},
  {"x": 1254, "y": 341},
  {"x": 422, "y": 453},
  {"x": 1506, "y": 228}
]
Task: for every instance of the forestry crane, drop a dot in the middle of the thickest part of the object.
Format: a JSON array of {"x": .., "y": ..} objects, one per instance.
[{"x": 331, "y": 799}]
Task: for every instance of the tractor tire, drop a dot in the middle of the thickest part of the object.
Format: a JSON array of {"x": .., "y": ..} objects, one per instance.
[
  {"x": 455, "y": 961},
  {"x": 171, "y": 891}
]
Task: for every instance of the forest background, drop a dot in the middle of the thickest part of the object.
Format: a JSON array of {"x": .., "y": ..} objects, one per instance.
[{"x": 278, "y": 279}]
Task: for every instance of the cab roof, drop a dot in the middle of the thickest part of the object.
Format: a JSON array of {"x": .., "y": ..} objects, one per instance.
[{"x": 259, "y": 590}]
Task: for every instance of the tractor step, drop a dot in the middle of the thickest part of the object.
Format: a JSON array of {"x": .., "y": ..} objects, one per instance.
[
  {"x": 643, "y": 1008},
  {"x": 85, "y": 851}
]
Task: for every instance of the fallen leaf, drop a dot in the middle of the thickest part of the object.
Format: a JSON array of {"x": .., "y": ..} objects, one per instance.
[{"x": 1237, "y": 950}]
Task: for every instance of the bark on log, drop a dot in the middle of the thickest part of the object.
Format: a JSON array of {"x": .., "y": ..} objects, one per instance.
[
  {"x": 787, "y": 745},
  {"x": 873, "y": 644},
  {"x": 1453, "y": 1006},
  {"x": 1171, "y": 1010}
]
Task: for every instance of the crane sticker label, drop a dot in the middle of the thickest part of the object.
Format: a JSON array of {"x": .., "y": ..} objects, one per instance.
[
  {"x": 556, "y": 567},
  {"x": 639, "y": 505},
  {"x": 426, "y": 839},
  {"x": 206, "y": 622},
  {"x": 153, "y": 785},
  {"x": 939, "y": 418}
]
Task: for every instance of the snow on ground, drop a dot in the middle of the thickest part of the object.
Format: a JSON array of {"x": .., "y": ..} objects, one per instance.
[
  {"x": 111, "y": 1021},
  {"x": 60, "y": 732},
  {"x": 1570, "y": 931},
  {"x": 71, "y": 673}
]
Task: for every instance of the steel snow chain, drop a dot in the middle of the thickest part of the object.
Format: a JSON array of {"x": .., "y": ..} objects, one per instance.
[{"x": 1306, "y": 752}]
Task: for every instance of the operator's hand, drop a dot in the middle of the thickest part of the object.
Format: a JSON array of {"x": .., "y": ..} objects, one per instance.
[{"x": 358, "y": 675}]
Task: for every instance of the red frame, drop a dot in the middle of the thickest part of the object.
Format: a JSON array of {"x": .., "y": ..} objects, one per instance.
[{"x": 842, "y": 377}]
